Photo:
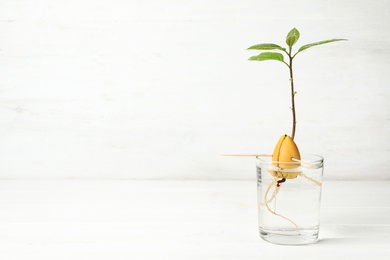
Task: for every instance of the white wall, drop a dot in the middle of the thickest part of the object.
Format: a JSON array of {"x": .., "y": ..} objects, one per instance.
[{"x": 160, "y": 88}]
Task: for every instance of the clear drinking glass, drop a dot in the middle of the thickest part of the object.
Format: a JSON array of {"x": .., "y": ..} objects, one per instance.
[{"x": 289, "y": 200}]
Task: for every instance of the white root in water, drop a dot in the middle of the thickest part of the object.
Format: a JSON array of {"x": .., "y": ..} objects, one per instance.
[
  {"x": 273, "y": 212},
  {"x": 275, "y": 193}
]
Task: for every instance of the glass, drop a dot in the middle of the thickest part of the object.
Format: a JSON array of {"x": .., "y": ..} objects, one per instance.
[{"x": 289, "y": 200}]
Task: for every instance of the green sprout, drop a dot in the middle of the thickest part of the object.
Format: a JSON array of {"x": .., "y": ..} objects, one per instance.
[{"x": 291, "y": 39}]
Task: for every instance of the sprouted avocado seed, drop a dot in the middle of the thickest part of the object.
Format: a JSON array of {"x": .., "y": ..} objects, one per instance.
[{"x": 286, "y": 153}]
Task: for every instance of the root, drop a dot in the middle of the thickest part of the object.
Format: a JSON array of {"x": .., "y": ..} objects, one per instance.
[
  {"x": 276, "y": 191},
  {"x": 266, "y": 193},
  {"x": 305, "y": 176},
  {"x": 277, "y": 188},
  {"x": 311, "y": 179}
]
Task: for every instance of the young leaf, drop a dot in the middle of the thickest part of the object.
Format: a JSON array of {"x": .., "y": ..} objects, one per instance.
[
  {"x": 268, "y": 56},
  {"x": 265, "y": 46},
  {"x": 292, "y": 37},
  {"x": 307, "y": 46}
]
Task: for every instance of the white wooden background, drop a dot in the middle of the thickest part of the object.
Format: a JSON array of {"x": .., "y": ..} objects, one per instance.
[{"x": 158, "y": 89}]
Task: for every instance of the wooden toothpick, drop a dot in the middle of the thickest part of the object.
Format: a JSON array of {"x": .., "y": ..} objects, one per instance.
[
  {"x": 253, "y": 154},
  {"x": 298, "y": 160},
  {"x": 303, "y": 162},
  {"x": 304, "y": 175}
]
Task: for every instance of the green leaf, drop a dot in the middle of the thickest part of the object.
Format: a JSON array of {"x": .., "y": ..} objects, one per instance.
[
  {"x": 268, "y": 56},
  {"x": 307, "y": 46},
  {"x": 292, "y": 37},
  {"x": 265, "y": 46}
]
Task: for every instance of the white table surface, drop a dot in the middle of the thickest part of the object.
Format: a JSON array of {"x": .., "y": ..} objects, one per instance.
[{"x": 179, "y": 220}]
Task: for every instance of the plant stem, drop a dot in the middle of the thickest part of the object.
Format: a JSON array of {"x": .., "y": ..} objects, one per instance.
[{"x": 292, "y": 96}]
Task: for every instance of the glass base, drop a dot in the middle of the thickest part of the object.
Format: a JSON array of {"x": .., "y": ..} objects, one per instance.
[{"x": 290, "y": 237}]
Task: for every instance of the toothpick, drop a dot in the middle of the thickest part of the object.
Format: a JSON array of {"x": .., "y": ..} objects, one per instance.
[
  {"x": 253, "y": 155},
  {"x": 305, "y": 176},
  {"x": 300, "y": 161}
]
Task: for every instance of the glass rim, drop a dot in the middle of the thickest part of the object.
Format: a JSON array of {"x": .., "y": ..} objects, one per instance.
[{"x": 309, "y": 159}]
